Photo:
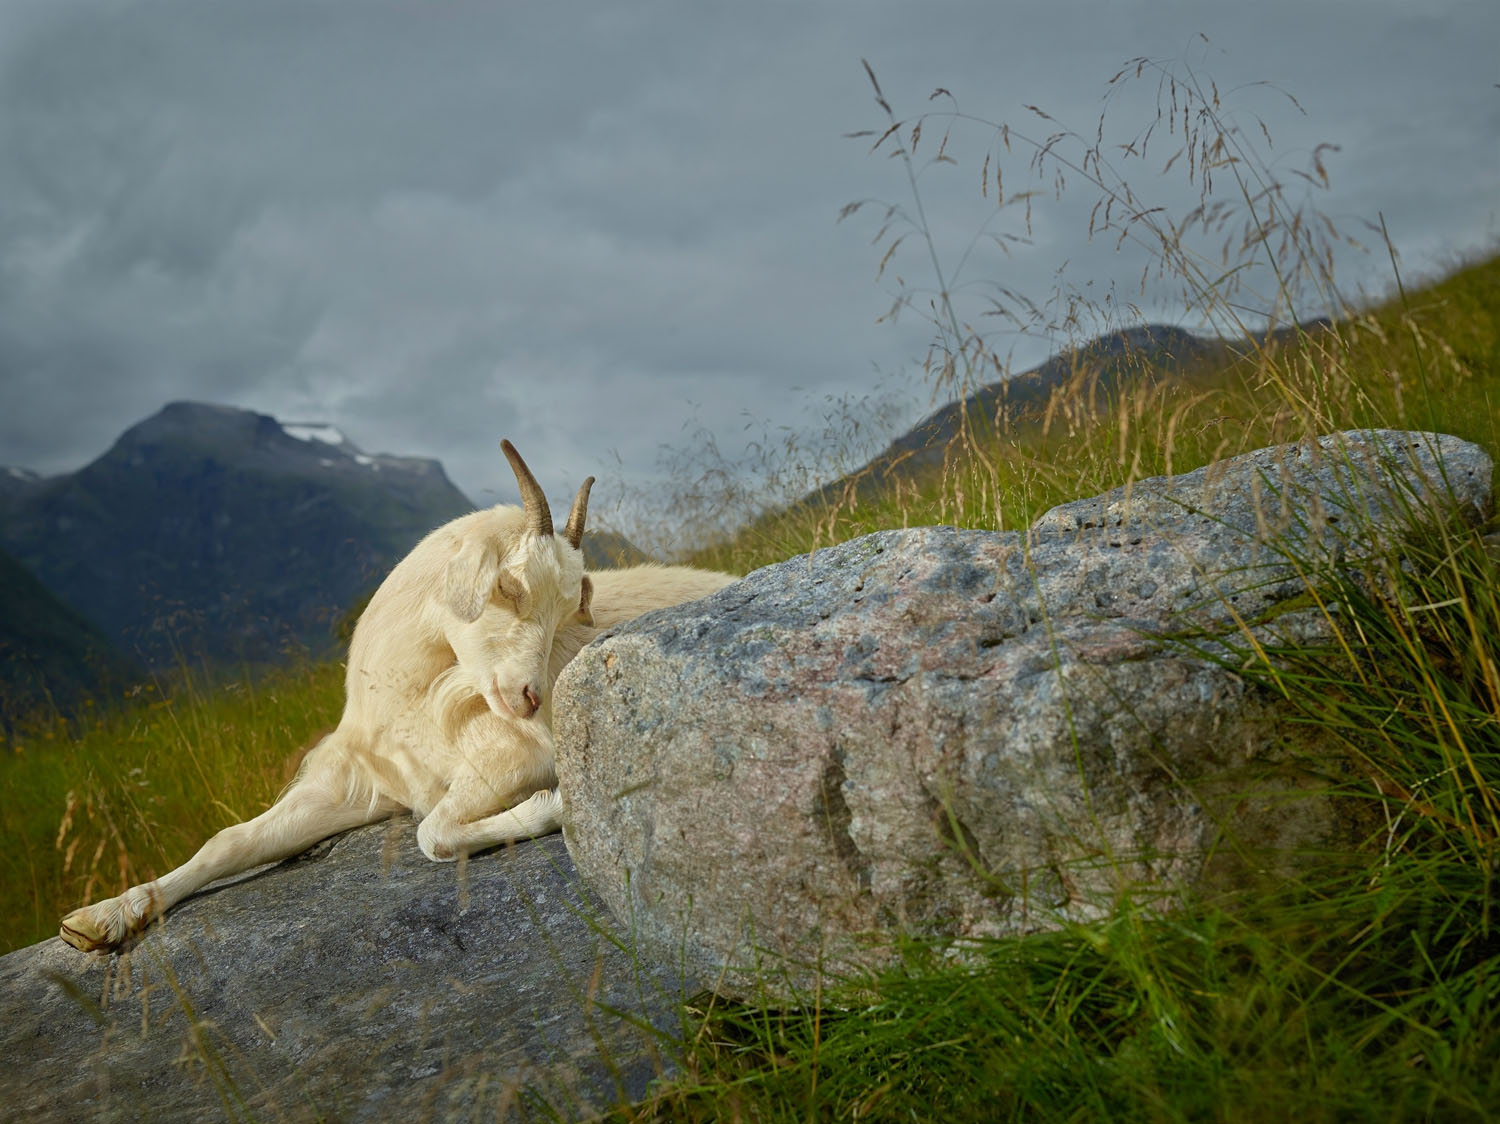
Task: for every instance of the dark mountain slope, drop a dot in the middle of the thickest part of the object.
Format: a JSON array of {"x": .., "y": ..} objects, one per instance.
[
  {"x": 220, "y": 534},
  {"x": 51, "y": 660},
  {"x": 1114, "y": 358}
]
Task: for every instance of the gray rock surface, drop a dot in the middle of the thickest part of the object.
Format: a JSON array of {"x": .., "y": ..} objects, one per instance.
[
  {"x": 961, "y": 734},
  {"x": 357, "y": 982}
]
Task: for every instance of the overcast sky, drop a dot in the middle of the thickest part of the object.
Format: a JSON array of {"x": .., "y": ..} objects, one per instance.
[{"x": 587, "y": 225}]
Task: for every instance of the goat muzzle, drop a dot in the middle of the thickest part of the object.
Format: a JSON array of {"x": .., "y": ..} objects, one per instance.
[{"x": 529, "y": 702}]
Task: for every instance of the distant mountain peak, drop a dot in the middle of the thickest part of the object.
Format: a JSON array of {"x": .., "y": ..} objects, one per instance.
[
  {"x": 228, "y": 427},
  {"x": 222, "y": 532},
  {"x": 246, "y": 439}
]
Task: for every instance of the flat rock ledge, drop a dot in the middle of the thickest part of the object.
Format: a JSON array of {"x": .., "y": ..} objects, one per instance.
[
  {"x": 356, "y": 982},
  {"x": 959, "y": 734}
]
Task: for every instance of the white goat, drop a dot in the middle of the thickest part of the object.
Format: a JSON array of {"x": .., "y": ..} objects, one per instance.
[{"x": 448, "y": 705}]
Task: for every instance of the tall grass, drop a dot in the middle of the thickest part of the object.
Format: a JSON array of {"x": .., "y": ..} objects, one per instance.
[
  {"x": 1337, "y": 998},
  {"x": 1332, "y": 999},
  {"x": 136, "y": 794},
  {"x": 1424, "y": 361},
  {"x": 1247, "y": 262}
]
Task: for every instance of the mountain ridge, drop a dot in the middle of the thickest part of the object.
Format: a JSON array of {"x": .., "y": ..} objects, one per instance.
[
  {"x": 210, "y": 532},
  {"x": 1145, "y": 349},
  {"x": 1158, "y": 346}
]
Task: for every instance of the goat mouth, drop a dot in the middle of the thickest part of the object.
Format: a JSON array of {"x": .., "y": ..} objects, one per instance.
[
  {"x": 498, "y": 704},
  {"x": 495, "y": 699}
]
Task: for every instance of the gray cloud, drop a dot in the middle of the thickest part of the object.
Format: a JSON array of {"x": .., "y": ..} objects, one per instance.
[{"x": 584, "y": 225}]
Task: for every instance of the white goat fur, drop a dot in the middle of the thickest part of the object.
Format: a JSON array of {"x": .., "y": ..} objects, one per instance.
[{"x": 448, "y": 707}]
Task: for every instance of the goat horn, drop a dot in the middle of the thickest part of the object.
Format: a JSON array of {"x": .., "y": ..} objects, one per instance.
[
  {"x": 573, "y": 532},
  {"x": 538, "y": 514}
]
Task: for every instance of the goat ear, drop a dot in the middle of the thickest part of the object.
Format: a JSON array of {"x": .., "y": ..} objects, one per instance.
[
  {"x": 585, "y": 602},
  {"x": 470, "y": 578}
]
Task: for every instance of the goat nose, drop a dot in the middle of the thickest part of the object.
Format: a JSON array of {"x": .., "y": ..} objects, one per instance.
[{"x": 530, "y": 695}]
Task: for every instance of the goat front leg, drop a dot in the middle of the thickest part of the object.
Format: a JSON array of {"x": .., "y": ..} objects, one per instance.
[
  {"x": 313, "y": 808},
  {"x": 465, "y": 820}
]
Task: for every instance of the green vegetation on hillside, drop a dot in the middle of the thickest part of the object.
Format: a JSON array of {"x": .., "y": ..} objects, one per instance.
[
  {"x": 137, "y": 793},
  {"x": 1427, "y": 360},
  {"x": 1332, "y": 999}
]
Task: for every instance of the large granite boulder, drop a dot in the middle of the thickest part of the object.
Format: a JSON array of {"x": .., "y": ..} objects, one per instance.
[
  {"x": 357, "y": 982},
  {"x": 961, "y": 734}
]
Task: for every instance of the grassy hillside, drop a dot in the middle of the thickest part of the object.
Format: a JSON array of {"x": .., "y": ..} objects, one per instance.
[
  {"x": 1332, "y": 999},
  {"x": 1329, "y": 1000},
  {"x": 1428, "y": 359}
]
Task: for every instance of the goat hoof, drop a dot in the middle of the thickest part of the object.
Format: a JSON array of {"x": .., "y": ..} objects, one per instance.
[
  {"x": 102, "y": 926},
  {"x": 436, "y": 849},
  {"x": 81, "y": 930}
]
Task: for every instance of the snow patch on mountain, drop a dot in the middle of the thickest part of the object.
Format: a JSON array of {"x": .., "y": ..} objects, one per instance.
[
  {"x": 331, "y": 435},
  {"x": 316, "y": 431}
]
